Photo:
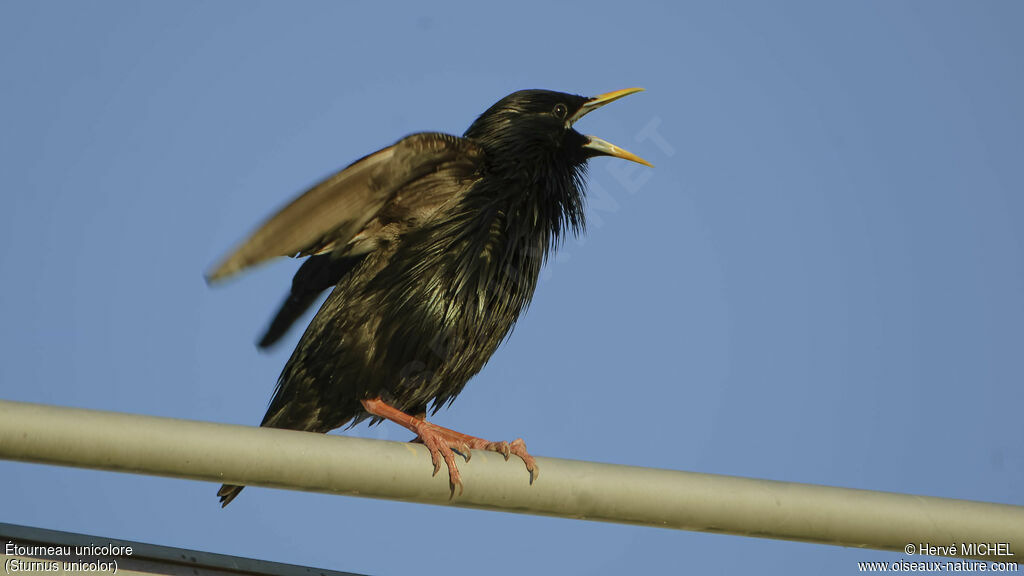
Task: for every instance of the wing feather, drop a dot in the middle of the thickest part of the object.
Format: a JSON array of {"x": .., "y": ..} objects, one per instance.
[{"x": 334, "y": 211}]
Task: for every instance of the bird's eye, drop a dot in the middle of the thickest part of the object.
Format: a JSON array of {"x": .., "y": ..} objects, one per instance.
[{"x": 559, "y": 110}]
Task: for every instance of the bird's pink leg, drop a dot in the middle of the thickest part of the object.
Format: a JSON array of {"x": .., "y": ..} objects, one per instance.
[{"x": 442, "y": 441}]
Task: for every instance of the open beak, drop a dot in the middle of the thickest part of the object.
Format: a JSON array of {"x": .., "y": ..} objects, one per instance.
[
  {"x": 605, "y": 148},
  {"x": 599, "y": 146}
]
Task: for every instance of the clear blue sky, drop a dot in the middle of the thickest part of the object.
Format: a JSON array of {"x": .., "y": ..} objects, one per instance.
[{"x": 821, "y": 281}]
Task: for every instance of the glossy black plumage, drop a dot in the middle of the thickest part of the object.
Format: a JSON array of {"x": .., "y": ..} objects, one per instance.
[{"x": 433, "y": 247}]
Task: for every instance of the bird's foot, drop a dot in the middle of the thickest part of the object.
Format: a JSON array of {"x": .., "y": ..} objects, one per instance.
[
  {"x": 464, "y": 444},
  {"x": 443, "y": 442}
]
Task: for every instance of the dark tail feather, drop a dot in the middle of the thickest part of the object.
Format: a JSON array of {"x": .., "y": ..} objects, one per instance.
[
  {"x": 227, "y": 493},
  {"x": 317, "y": 273}
]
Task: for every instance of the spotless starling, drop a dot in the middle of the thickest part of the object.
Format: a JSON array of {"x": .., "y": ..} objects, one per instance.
[{"x": 433, "y": 247}]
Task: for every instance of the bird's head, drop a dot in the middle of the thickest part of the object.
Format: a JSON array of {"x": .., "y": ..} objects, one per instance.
[{"x": 531, "y": 127}]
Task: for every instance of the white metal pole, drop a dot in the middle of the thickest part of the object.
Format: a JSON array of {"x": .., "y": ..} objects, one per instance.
[{"x": 566, "y": 488}]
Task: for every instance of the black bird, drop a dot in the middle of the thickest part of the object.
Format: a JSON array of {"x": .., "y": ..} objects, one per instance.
[{"x": 433, "y": 247}]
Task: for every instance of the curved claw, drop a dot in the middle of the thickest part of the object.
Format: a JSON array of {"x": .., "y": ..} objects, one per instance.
[
  {"x": 518, "y": 448},
  {"x": 435, "y": 456},
  {"x": 501, "y": 448},
  {"x": 440, "y": 450}
]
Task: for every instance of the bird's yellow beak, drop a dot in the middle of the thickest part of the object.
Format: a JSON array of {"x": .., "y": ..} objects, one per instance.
[
  {"x": 600, "y": 146},
  {"x": 605, "y": 148},
  {"x": 598, "y": 101}
]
